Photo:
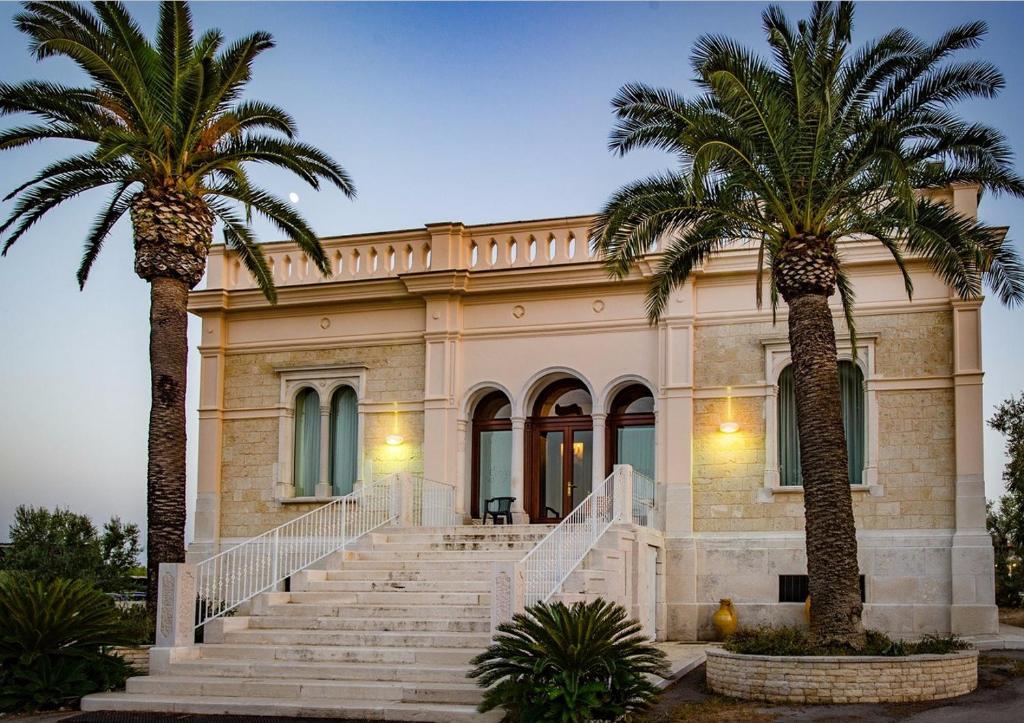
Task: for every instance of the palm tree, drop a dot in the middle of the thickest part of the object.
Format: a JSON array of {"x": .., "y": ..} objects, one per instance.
[
  {"x": 168, "y": 132},
  {"x": 792, "y": 153}
]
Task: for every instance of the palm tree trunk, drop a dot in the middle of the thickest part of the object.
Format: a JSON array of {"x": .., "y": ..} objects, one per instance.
[
  {"x": 168, "y": 352},
  {"x": 831, "y": 537}
]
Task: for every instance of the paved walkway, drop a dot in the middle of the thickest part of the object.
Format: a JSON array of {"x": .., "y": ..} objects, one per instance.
[{"x": 1010, "y": 637}]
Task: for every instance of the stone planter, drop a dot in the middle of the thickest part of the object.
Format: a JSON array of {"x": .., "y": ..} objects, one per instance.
[
  {"x": 842, "y": 679},
  {"x": 136, "y": 656}
]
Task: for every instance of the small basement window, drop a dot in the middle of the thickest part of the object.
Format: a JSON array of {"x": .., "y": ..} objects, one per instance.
[{"x": 793, "y": 588}]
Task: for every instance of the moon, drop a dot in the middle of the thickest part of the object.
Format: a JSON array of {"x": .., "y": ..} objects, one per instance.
[{"x": 293, "y": 197}]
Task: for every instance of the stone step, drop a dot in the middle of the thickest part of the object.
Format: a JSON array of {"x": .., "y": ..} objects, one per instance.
[
  {"x": 337, "y": 654},
  {"x": 456, "y": 547},
  {"x": 496, "y": 535},
  {"x": 415, "y": 555},
  {"x": 437, "y": 572},
  {"x": 415, "y": 612},
  {"x": 452, "y": 624},
  {"x": 393, "y": 597},
  {"x": 469, "y": 566},
  {"x": 261, "y": 706},
  {"x": 321, "y": 670},
  {"x": 471, "y": 530},
  {"x": 465, "y": 693},
  {"x": 360, "y": 638},
  {"x": 473, "y": 586}
]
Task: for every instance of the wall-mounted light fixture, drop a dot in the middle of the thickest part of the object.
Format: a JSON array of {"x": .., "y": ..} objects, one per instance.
[
  {"x": 729, "y": 426},
  {"x": 394, "y": 439}
]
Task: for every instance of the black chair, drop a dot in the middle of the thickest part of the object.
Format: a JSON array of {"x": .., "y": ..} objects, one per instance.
[{"x": 499, "y": 508}]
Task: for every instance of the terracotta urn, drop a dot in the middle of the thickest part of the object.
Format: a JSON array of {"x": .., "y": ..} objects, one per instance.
[
  {"x": 724, "y": 618},
  {"x": 807, "y": 610}
]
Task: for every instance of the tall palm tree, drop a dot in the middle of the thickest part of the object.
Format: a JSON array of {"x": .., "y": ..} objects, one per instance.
[
  {"x": 817, "y": 143},
  {"x": 167, "y": 130}
]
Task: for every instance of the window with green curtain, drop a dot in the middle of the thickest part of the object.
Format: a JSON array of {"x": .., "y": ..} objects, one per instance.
[
  {"x": 306, "y": 464},
  {"x": 344, "y": 440},
  {"x": 636, "y": 448},
  {"x": 851, "y": 394}
]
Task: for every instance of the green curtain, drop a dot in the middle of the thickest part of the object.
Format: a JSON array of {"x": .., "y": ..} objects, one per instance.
[
  {"x": 851, "y": 394},
  {"x": 307, "y": 443},
  {"x": 344, "y": 440},
  {"x": 851, "y": 388},
  {"x": 636, "y": 448},
  {"x": 495, "y": 465}
]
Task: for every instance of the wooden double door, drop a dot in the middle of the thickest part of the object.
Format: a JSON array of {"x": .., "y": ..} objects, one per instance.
[{"x": 560, "y": 465}]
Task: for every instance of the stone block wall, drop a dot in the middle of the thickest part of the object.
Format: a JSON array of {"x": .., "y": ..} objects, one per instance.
[
  {"x": 916, "y": 429},
  {"x": 250, "y": 457},
  {"x": 842, "y": 679}
]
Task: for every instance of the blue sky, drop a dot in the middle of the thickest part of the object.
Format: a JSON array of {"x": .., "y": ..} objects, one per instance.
[{"x": 468, "y": 112}]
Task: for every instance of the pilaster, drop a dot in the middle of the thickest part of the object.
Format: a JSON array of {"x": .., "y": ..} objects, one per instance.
[
  {"x": 973, "y": 609},
  {"x": 442, "y": 375},
  {"x": 518, "y": 469},
  {"x": 211, "y": 430}
]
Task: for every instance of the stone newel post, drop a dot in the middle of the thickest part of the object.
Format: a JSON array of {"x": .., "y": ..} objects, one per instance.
[
  {"x": 623, "y": 500},
  {"x": 176, "y": 605},
  {"x": 508, "y": 592}
]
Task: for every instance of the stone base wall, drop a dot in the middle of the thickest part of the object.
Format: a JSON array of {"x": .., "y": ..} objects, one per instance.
[
  {"x": 908, "y": 582},
  {"x": 136, "y": 656},
  {"x": 842, "y": 679}
]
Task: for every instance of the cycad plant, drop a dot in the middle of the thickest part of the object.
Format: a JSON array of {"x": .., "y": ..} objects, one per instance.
[
  {"x": 819, "y": 142},
  {"x": 52, "y": 642},
  {"x": 560, "y": 663},
  {"x": 162, "y": 124}
]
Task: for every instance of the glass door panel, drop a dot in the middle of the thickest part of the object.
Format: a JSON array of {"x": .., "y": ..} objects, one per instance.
[
  {"x": 581, "y": 482},
  {"x": 495, "y": 471},
  {"x": 551, "y": 474}
]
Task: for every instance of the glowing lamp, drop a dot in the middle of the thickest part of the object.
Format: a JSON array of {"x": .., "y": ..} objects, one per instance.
[
  {"x": 728, "y": 427},
  {"x": 394, "y": 439}
]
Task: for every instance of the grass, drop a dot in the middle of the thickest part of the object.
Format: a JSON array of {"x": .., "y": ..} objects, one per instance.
[
  {"x": 1012, "y": 616},
  {"x": 718, "y": 709}
]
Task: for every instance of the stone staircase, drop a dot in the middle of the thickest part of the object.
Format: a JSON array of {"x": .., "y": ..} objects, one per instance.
[{"x": 385, "y": 632}]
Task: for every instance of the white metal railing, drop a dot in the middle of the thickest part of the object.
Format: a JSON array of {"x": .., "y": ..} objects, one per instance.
[
  {"x": 433, "y": 503},
  {"x": 230, "y": 578},
  {"x": 553, "y": 559},
  {"x": 644, "y": 503}
]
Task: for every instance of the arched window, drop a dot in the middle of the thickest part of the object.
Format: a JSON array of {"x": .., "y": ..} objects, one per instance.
[
  {"x": 344, "y": 440},
  {"x": 631, "y": 430},
  {"x": 851, "y": 393},
  {"x": 306, "y": 464},
  {"x": 492, "y": 450},
  {"x": 630, "y": 441}
]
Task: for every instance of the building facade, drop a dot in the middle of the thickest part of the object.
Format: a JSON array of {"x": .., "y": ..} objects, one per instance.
[{"x": 503, "y": 360}]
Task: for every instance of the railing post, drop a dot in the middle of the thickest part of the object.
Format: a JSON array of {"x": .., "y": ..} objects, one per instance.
[
  {"x": 623, "y": 505},
  {"x": 508, "y": 592},
  {"x": 407, "y": 496},
  {"x": 275, "y": 547},
  {"x": 176, "y": 605}
]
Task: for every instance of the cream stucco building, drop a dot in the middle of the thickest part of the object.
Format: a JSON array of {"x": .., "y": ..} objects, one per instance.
[{"x": 506, "y": 362}]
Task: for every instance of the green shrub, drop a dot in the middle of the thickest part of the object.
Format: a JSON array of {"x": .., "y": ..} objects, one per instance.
[
  {"x": 138, "y": 624},
  {"x": 938, "y": 645},
  {"x": 52, "y": 643},
  {"x": 768, "y": 641},
  {"x": 62, "y": 544},
  {"x": 794, "y": 641},
  {"x": 560, "y": 663}
]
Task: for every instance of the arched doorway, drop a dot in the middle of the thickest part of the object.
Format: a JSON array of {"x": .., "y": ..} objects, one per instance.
[
  {"x": 560, "y": 463},
  {"x": 492, "y": 451}
]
